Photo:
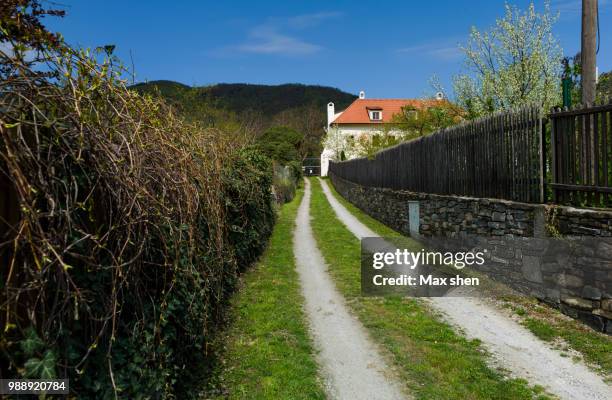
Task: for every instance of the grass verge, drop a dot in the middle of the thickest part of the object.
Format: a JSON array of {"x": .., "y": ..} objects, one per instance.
[
  {"x": 434, "y": 361},
  {"x": 381, "y": 229},
  {"x": 548, "y": 324},
  {"x": 268, "y": 353},
  {"x": 573, "y": 338}
]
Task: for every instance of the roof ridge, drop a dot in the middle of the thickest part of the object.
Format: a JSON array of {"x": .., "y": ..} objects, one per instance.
[
  {"x": 394, "y": 99},
  {"x": 356, "y": 112}
]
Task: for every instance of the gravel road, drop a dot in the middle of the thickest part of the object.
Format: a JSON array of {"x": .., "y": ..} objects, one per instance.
[
  {"x": 512, "y": 346},
  {"x": 352, "y": 367}
]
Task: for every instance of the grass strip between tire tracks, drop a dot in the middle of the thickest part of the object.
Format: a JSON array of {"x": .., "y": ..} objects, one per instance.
[{"x": 435, "y": 362}]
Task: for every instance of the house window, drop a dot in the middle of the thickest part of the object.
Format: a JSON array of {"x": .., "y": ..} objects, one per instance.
[{"x": 375, "y": 115}]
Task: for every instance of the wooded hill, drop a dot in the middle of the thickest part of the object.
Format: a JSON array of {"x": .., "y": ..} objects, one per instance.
[
  {"x": 254, "y": 108},
  {"x": 239, "y": 97}
]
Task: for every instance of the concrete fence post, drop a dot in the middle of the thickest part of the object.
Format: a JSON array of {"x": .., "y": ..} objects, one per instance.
[{"x": 414, "y": 221}]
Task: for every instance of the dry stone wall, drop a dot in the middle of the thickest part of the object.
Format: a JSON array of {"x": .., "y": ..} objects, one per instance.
[{"x": 562, "y": 255}]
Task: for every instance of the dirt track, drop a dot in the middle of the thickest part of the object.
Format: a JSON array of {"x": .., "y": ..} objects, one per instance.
[
  {"x": 352, "y": 367},
  {"x": 512, "y": 346}
]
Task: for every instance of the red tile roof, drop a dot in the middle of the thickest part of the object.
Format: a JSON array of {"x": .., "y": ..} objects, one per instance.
[{"x": 357, "y": 112}]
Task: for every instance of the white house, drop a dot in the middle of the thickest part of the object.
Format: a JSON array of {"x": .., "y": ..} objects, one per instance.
[{"x": 364, "y": 117}]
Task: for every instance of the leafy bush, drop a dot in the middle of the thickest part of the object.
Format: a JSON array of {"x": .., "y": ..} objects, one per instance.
[
  {"x": 285, "y": 183},
  {"x": 249, "y": 217},
  {"x": 296, "y": 170},
  {"x": 131, "y": 226},
  {"x": 281, "y": 144}
]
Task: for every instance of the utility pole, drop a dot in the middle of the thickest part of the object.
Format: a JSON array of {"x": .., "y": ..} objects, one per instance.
[{"x": 587, "y": 53}]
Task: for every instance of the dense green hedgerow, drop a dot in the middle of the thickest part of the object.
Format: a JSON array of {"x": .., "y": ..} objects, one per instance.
[{"x": 122, "y": 228}]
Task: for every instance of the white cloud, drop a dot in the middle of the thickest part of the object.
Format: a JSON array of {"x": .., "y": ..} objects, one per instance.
[
  {"x": 308, "y": 20},
  {"x": 279, "y": 35},
  {"x": 446, "y": 53},
  {"x": 268, "y": 40},
  {"x": 573, "y": 8},
  {"x": 439, "y": 50}
]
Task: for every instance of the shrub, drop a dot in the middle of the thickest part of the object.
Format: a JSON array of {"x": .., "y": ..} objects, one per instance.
[
  {"x": 284, "y": 183},
  {"x": 250, "y": 216},
  {"x": 281, "y": 144},
  {"x": 296, "y": 169},
  {"x": 130, "y": 229}
]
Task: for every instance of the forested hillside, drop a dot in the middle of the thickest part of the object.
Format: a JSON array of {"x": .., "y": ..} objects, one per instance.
[
  {"x": 254, "y": 108},
  {"x": 239, "y": 97}
]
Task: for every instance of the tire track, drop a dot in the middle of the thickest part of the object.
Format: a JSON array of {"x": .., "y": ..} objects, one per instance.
[
  {"x": 511, "y": 345},
  {"x": 352, "y": 367}
]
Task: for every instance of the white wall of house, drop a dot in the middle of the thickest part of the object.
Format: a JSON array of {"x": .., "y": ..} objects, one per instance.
[
  {"x": 345, "y": 133},
  {"x": 349, "y": 133},
  {"x": 326, "y": 156},
  {"x": 340, "y": 135},
  {"x": 357, "y": 130},
  {"x": 330, "y": 113}
]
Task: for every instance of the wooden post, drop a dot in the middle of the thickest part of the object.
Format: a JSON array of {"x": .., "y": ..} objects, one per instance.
[
  {"x": 587, "y": 53},
  {"x": 541, "y": 127},
  {"x": 554, "y": 147},
  {"x": 588, "y": 61}
]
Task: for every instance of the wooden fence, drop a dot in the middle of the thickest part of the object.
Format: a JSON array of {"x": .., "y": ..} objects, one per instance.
[
  {"x": 498, "y": 157},
  {"x": 581, "y": 160}
]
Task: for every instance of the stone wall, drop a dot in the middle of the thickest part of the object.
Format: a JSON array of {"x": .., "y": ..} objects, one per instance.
[{"x": 561, "y": 255}]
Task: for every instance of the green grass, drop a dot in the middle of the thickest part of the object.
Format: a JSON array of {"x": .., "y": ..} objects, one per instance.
[
  {"x": 540, "y": 329},
  {"x": 269, "y": 354},
  {"x": 381, "y": 229},
  {"x": 546, "y": 323},
  {"x": 433, "y": 360},
  {"x": 551, "y": 325}
]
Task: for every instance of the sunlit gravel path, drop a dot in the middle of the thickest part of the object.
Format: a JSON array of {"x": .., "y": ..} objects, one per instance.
[{"x": 351, "y": 365}]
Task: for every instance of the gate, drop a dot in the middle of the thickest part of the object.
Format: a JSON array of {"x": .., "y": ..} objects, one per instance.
[{"x": 311, "y": 167}]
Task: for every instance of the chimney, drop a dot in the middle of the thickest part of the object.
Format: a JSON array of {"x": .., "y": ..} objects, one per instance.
[
  {"x": 330, "y": 113},
  {"x": 362, "y": 95}
]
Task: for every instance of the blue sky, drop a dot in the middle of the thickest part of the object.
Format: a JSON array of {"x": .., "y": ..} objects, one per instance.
[{"x": 387, "y": 48}]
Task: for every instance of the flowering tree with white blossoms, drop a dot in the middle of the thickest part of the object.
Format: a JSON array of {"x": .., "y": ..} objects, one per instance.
[
  {"x": 336, "y": 143},
  {"x": 517, "y": 62}
]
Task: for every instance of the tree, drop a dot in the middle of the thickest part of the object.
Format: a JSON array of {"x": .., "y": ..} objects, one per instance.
[
  {"x": 415, "y": 122},
  {"x": 21, "y": 23},
  {"x": 368, "y": 146},
  {"x": 252, "y": 122},
  {"x": 309, "y": 120},
  {"x": 281, "y": 144},
  {"x": 518, "y": 61},
  {"x": 411, "y": 123},
  {"x": 604, "y": 87},
  {"x": 339, "y": 144},
  {"x": 572, "y": 69}
]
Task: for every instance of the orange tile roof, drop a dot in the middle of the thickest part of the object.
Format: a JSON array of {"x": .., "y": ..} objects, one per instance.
[{"x": 357, "y": 112}]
